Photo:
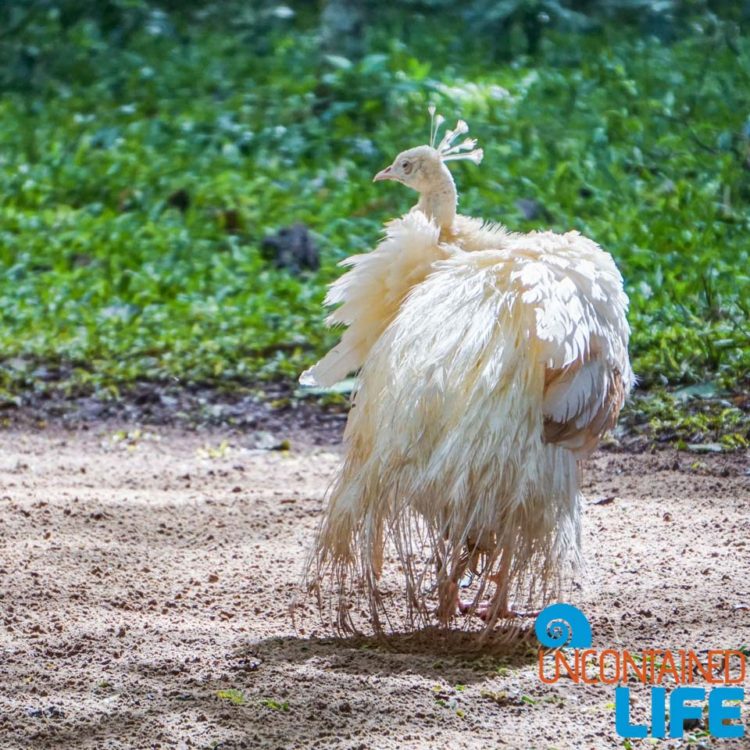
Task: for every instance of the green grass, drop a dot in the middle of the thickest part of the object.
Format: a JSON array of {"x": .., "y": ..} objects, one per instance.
[
  {"x": 644, "y": 147},
  {"x": 234, "y": 696}
]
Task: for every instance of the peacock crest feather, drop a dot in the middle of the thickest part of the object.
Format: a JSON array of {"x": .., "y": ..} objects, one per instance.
[{"x": 466, "y": 150}]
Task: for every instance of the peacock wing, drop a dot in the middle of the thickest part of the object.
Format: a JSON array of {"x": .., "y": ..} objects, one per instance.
[
  {"x": 370, "y": 293},
  {"x": 581, "y": 325}
]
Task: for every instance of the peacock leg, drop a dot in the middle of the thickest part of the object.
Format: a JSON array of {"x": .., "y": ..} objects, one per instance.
[
  {"x": 497, "y": 607},
  {"x": 449, "y": 601}
]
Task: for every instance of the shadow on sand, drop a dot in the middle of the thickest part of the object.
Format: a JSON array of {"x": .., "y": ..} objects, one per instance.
[{"x": 455, "y": 655}]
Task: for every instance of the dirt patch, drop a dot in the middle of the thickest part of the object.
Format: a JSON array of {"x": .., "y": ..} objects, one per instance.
[
  {"x": 145, "y": 579},
  {"x": 275, "y": 407}
]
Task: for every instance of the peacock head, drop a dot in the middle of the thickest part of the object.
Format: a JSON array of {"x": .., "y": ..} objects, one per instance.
[
  {"x": 422, "y": 168},
  {"x": 415, "y": 168}
]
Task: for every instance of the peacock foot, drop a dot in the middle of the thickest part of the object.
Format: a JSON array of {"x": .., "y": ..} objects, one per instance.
[
  {"x": 489, "y": 611},
  {"x": 449, "y": 602},
  {"x": 486, "y": 611},
  {"x": 453, "y": 605}
]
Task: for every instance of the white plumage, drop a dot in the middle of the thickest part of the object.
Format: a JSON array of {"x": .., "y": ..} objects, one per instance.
[{"x": 491, "y": 363}]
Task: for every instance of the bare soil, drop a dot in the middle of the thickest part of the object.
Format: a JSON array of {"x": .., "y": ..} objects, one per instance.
[{"x": 146, "y": 578}]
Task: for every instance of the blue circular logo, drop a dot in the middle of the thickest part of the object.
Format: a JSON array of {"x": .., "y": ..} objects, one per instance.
[{"x": 563, "y": 625}]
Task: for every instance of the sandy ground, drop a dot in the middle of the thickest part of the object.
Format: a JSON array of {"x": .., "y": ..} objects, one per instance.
[{"x": 145, "y": 584}]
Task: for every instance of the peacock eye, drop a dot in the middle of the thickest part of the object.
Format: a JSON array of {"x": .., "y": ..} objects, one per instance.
[{"x": 406, "y": 166}]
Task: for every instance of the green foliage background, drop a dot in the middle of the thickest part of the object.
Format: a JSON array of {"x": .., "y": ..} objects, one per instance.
[{"x": 638, "y": 139}]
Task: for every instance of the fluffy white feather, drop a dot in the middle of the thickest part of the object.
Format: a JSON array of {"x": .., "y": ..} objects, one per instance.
[{"x": 371, "y": 292}]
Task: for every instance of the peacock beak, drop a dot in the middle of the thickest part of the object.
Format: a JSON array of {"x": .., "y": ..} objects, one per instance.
[{"x": 385, "y": 174}]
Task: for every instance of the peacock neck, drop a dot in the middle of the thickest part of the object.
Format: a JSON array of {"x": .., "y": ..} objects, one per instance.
[{"x": 439, "y": 200}]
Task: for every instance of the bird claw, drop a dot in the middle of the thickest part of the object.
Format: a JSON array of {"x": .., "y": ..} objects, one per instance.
[{"x": 487, "y": 611}]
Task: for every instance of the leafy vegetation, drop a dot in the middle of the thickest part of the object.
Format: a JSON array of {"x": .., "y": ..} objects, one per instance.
[
  {"x": 275, "y": 705},
  {"x": 235, "y": 697},
  {"x": 144, "y": 162}
]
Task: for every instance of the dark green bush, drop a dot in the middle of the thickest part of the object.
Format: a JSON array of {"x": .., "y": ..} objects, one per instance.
[{"x": 108, "y": 277}]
